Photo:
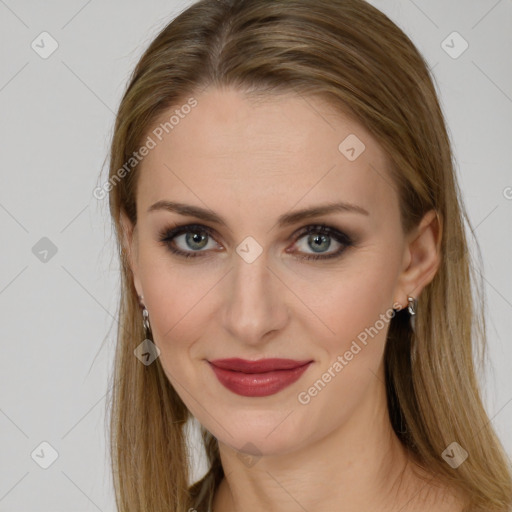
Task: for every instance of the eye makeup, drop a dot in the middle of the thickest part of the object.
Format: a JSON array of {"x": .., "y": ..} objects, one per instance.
[{"x": 313, "y": 233}]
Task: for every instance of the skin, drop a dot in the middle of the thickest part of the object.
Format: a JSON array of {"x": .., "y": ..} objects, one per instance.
[{"x": 250, "y": 162}]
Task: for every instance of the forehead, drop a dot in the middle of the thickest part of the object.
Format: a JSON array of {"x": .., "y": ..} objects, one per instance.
[{"x": 262, "y": 156}]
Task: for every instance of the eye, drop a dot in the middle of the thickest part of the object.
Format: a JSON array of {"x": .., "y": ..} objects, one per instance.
[
  {"x": 196, "y": 237},
  {"x": 319, "y": 239}
]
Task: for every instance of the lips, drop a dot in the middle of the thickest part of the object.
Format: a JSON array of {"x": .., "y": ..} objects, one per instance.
[
  {"x": 258, "y": 378},
  {"x": 259, "y": 366}
]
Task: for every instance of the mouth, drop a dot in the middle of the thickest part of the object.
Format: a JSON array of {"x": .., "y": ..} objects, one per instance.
[{"x": 258, "y": 378}]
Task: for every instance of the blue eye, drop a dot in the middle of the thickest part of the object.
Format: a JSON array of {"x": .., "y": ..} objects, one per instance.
[
  {"x": 196, "y": 237},
  {"x": 319, "y": 237}
]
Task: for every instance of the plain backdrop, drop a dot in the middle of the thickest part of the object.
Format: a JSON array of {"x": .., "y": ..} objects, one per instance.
[{"x": 58, "y": 269}]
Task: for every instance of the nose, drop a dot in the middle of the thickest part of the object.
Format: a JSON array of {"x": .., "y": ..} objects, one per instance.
[{"x": 255, "y": 303}]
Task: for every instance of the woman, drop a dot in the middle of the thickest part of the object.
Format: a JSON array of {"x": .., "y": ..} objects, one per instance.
[{"x": 295, "y": 273}]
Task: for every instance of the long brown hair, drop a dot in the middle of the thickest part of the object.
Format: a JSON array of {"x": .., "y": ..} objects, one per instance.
[{"x": 353, "y": 56}]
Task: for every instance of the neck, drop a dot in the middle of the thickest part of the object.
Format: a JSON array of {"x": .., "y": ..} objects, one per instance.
[{"x": 360, "y": 466}]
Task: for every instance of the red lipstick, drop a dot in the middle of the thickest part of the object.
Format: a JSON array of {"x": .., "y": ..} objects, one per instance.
[{"x": 258, "y": 378}]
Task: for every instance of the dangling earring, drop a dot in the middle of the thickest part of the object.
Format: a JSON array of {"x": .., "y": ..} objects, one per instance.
[
  {"x": 145, "y": 317},
  {"x": 145, "y": 322},
  {"x": 412, "y": 308},
  {"x": 146, "y": 351},
  {"x": 412, "y": 305}
]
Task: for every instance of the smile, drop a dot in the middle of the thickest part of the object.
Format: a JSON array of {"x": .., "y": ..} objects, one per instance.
[{"x": 258, "y": 378}]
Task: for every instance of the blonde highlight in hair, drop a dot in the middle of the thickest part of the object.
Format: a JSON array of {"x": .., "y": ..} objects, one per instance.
[{"x": 353, "y": 56}]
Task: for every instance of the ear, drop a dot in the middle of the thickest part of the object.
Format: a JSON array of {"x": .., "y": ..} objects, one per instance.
[
  {"x": 422, "y": 258},
  {"x": 129, "y": 241}
]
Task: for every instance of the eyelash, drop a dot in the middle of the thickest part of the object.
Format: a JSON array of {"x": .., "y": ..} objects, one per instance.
[{"x": 167, "y": 235}]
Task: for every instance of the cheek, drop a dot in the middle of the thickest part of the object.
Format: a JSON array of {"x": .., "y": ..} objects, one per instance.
[
  {"x": 178, "y": 298},
  {"x": 333, "y": 306},
  {"x": 338, "y": 301},
  {"x": 356, "y": 305},
  {"x": 348, "y": 300},
  {"x": 177, "y": 302}
]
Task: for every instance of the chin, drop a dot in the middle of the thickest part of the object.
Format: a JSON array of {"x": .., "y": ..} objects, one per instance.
[{"x": 264, "y": 435}]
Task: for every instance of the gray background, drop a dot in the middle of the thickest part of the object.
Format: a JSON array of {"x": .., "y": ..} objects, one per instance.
[{"x": 56, "y": 121}]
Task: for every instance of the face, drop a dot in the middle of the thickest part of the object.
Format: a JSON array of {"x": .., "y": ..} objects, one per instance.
[{"x": 249, "y": 286}]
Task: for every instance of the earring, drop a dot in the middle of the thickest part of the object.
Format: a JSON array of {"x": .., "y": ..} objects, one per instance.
[
  {"x": 145, "y": 317},
  {"x": 412, "y": 305},
  {"x": 145, "y": 322}
]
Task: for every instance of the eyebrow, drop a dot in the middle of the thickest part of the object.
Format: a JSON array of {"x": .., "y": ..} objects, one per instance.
[{"x": 284, "y": 220}]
